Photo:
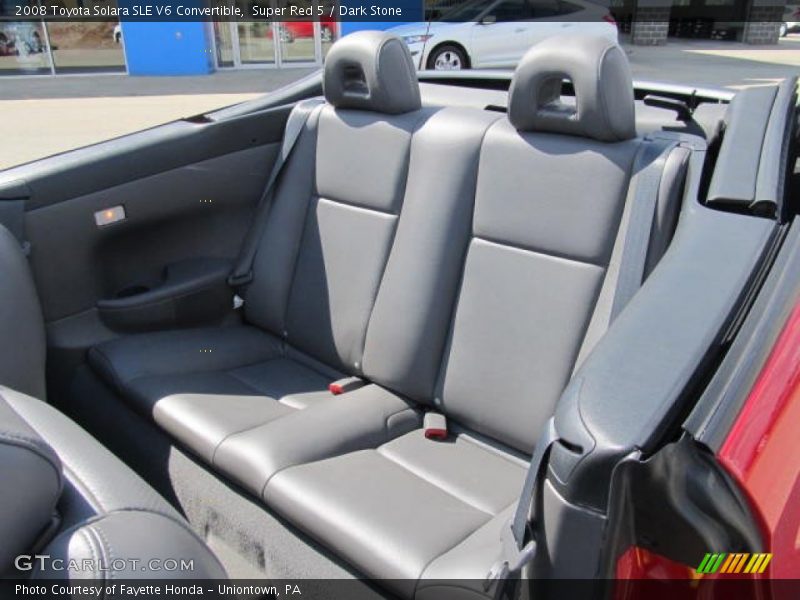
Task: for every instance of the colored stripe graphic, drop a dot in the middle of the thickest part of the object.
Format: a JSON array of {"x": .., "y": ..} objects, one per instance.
[
  {"x": 710, "y": 563},
  {"x": 737, "y": 562},
  {"x": 763, "y": 565},
  {"x": 728, "y": 562}
]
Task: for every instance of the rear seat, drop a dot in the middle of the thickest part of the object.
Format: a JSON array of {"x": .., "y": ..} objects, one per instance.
[
  {"x": 317, "y": 268},
  {"x": 477, "y": 302}
]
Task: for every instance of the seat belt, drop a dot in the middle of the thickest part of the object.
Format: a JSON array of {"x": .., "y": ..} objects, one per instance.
[
  {"x": 516, "y": 552},
  {"x": 629, "y": 256},
  {"x": 649, "y": 169},
  {"x": 242, "y": 273},
  {"x": 12, "y": 217}
]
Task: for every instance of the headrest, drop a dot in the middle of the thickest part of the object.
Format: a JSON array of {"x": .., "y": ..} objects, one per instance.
[
  {"x": 371, "y": 70},
  {"x": 600, "y": 74}
]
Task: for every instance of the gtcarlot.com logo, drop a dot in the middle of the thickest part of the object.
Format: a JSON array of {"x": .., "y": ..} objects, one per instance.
[{"x": 44, "y": 562}]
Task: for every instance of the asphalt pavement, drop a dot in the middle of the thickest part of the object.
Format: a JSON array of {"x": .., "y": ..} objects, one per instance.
[{"x": 44, "y": 115}]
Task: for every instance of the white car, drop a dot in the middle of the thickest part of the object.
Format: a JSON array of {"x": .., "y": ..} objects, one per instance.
[
  {"x": 481, "y": 34},
  {"x": 791, "y": 19}
]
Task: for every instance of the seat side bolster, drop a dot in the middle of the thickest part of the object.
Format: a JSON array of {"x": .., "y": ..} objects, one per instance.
[
  {"x": 122, "y": 545},
  {"x": 466, "y": 564},
  {"x": 97, "y": 482},
  {"x": 31, "y": 479}
]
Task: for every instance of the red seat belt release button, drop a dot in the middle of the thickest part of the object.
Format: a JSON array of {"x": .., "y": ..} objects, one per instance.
[
  {"x": 435, "y": 426},
  {"x": 348, "y": 384}
]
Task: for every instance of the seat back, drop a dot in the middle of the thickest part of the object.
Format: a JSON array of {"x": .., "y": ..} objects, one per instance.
[
  {"x": 331, "y": 226},
  {"x": 551, "y": 187}
]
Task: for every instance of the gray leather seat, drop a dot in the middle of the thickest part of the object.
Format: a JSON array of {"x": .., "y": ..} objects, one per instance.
[
  {"x": 466, "y": 286},
  {"x": 316, "y": 272},
  {"x": 524, "y": 273},
  {"x": 63, "y": 494}
]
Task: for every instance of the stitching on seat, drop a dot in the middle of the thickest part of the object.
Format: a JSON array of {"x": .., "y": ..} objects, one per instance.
[
  {"x": 281, "y": 353},
  {"x": 106, "y": 545},
  {"x": 237, "y": 432},
  {"x": 108, "y": 366},
  {"x": 433, "y": 483},
  {"x": 75, "y": 480},
  {"x": 98, "y": 550},
  {"x": 247, "y": 384},
  {"x": 348, "y": 204},
  {"x": 84, "y": 532},
  {"x": 217, "y": 371},
  {"x": 458, "y": 543},
  {"x": 522, "y": 463},
  {"x": 537, "y": 251}
]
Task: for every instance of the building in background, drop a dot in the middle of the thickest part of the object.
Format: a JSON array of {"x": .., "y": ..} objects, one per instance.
[{"x": 194, "y": 48}]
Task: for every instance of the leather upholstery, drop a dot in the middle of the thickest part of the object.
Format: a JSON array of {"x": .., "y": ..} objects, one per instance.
[
  {"x": 22, "y": 347},
  {"x": 30, "y": 473},
  {"x": 393, "y": 509},
  {"x": 464, "y": 285},
  {"x": 127, "y": 359},
  {"x": 600, "y": 74},
  {"x": 536, "y": 258},
  {"x": 105, "y": 511},
  {"x": 317, "y": 272},
  {"x": 364, "y": 418},
  {"x": 371, "y": 70},
  {"x": 134, "y": 545}
]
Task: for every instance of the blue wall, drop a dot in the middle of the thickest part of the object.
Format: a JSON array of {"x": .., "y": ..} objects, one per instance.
[{"x": 159, "y": 48}]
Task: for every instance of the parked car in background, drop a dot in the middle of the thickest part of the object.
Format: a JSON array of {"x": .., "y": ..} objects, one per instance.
[
  {"x": 480, "y": 34},
  {"x": 503, "y": 338},
  {"x": 791, "y": 19},
  {"x": 292, "y": 30}
]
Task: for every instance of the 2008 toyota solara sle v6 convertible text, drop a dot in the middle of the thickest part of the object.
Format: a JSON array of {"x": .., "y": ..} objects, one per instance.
[{"x": 415, "y": 334}]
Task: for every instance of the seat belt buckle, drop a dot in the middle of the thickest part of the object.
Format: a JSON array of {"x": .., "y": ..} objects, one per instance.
[
  {"x": 435, "y": 426},
  {"x": 513, "y": 558},
  {"x": 348, "y": 384},
  {"x": 236, "y": 281}
]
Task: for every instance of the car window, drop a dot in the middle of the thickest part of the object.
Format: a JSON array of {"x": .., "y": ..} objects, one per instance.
[
  {"x": 469, "y": 11},
  {"x": 567, "y": 8},
  {"x": 545, "y": 8},
  {"x": 511, "y": 10}
]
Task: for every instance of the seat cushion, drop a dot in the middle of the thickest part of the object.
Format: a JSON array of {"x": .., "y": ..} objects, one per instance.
[
  {"x": 361, "y": 419},
  {"x": 392, "y": 510},
  {"x": 203, "y": 385},
  {"x": 180, "y": 352}
]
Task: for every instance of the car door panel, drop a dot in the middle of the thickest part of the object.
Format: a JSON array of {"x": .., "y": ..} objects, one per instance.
[
  {"x": 187, "y": 189},
  {"x": 195, "y": 210},
  {"x": 104, "y": 165}
]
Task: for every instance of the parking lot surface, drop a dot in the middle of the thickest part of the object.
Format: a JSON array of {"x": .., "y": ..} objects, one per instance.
[{"x": 44, "y": 115}]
